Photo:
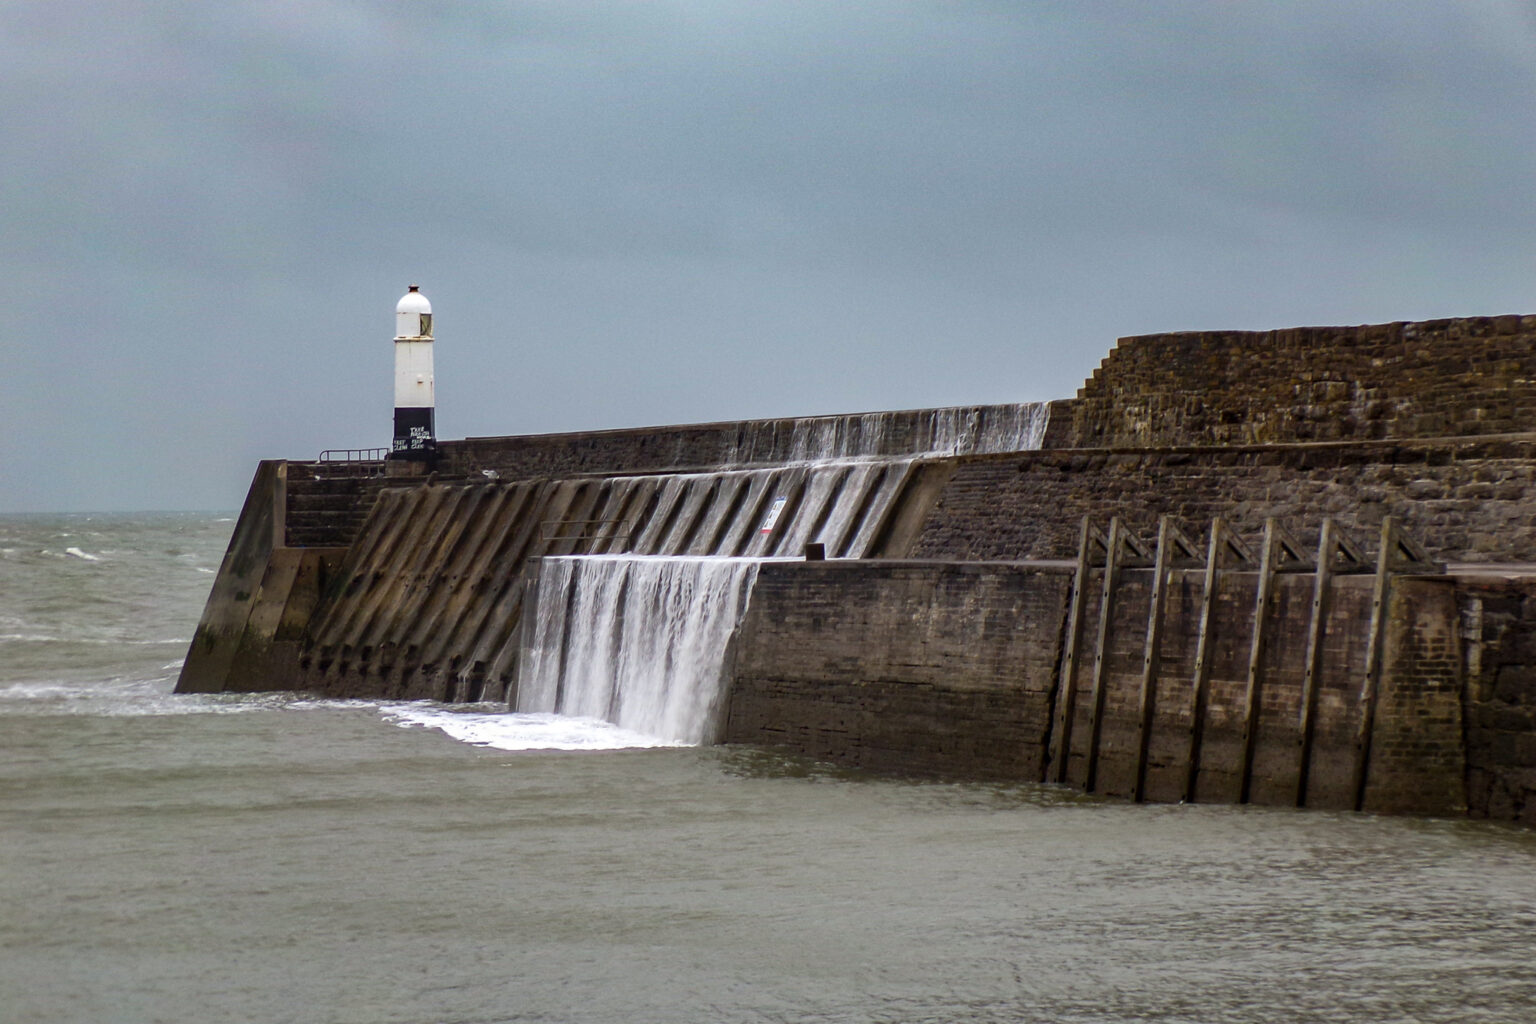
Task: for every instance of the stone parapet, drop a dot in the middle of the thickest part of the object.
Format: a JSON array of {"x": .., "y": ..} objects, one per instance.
[{"x": 1465, "y": 377}]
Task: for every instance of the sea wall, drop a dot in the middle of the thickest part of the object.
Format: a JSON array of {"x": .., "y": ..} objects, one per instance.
[
  {"x": 258, "y": 612},
  {"x": 1499, "y": 641},
  {"x": 929, "y": 668},
  {"x": 933, "y": 639},
  {"x": 1466, "y": 500},
  {"x": 951, "y": 669},
  {"x": 1439, "y": 378},
  {"x": 743, "y": 443},
  {"x": 428, "y": 600}
]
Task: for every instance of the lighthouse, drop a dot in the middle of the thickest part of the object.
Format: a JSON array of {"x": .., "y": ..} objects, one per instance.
[{"x": 415, "y": 437}]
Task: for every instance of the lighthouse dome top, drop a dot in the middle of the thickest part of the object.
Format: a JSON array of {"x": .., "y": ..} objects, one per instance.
[
  {"x": 413, "y": 302},
  {"x": 413, "y": 315}
]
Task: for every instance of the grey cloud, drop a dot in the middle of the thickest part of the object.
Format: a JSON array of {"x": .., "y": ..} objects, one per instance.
[{"x": 632, "y": 212}]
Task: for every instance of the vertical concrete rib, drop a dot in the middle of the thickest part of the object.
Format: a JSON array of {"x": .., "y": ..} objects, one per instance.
[
  {"x": 1312, "y": 681},
  {"x": 491, "y": 644},
  {"x": 906, "y": 491},
  {"x": 548, "y": 503},
  {"x": 1200, "y": 688},
  {"x": 496, "y": 523},
  {"x": 1101, "y": 652},
  {"x": 822, "y": 485},
  {"x": 1152, "y": 656},
  {"x": 790, "y": 485},
  {"x": 1255, "y": 682},
  {"x": 625, "y": 516},
  {"x": 1066, "y": 688},
  {"x": 562, "y": 534},
  {"x": 698, "y": 493},
  {"x": 1381, "y": 596}
]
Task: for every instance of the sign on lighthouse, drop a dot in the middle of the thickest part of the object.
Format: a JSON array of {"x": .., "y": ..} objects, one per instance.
[{"x": 415, "y": 398}]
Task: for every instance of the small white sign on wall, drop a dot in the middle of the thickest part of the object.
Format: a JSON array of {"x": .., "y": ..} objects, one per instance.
[{"x": 773, "y": 514}]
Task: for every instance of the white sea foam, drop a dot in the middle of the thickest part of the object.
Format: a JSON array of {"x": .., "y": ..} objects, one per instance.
[{"x": 509, "y": 730}]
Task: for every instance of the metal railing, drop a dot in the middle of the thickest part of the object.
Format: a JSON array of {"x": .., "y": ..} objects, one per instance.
[{"x": 353, "y": 455}]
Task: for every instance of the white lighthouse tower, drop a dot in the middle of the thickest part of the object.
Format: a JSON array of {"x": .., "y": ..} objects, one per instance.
[{"x": 415, "y": 399}]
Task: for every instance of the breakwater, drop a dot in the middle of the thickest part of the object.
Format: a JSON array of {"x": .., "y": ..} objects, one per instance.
[{"x": 961, "y": 624}]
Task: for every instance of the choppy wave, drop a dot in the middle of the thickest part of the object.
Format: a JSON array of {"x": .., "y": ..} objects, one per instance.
[{"x": 150, "y": 697}]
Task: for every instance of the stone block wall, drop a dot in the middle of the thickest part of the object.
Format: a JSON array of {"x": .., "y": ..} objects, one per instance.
[
  {"x": 1418, "y": 752},
  {"x": 1499, "y": 641},
  {"x": 952, "y": 669},
  {"x": 1465, "y": 500},
  {"x": 1218, "y": 760},
  {"x": 930, "y": 669},
  {"x": 1439, "y": 378},
  {"x": 327, "y": 503}
]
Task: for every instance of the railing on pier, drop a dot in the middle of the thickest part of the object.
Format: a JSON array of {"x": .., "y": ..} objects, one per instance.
[
  {"x": 339, "y": 462},
  {"x": 353, "y": 455}
]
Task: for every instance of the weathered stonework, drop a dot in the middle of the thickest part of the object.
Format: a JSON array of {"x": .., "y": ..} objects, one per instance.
[
  {"x": 956, "y": 669},
  {"x": 936, "y": 669},
  {"x": 1468, "y": 500},
  {"x": 1439, "y": 378},
  {"x": 1499, "y": 650}
]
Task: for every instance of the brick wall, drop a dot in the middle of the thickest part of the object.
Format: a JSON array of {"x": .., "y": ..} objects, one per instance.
[{"x": 1440, "y": 378}]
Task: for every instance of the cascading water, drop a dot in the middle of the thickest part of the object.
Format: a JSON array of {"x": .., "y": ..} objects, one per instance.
[
  {"x": 958, "y": 430},
  {"x": 639, "y": 640},
  {"x": 633, "y": 640}
]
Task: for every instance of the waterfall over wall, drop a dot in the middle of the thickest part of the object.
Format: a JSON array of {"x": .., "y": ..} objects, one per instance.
[
  {"x": 958, "y": 430},
  {"x": 636, "y": 641}
]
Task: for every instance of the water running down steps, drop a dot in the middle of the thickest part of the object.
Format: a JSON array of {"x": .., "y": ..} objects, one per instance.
[{"x": 636, "y": 641}]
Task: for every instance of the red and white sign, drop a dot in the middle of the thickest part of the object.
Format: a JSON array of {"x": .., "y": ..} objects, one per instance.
[{"x": 773, "y": 515}]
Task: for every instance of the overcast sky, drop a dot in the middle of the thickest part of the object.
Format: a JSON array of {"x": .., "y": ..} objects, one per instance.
[{"x": 631, "y": 213}]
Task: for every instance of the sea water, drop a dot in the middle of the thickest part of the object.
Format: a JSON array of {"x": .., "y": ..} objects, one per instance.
[{"x": 276, "y": 858}]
